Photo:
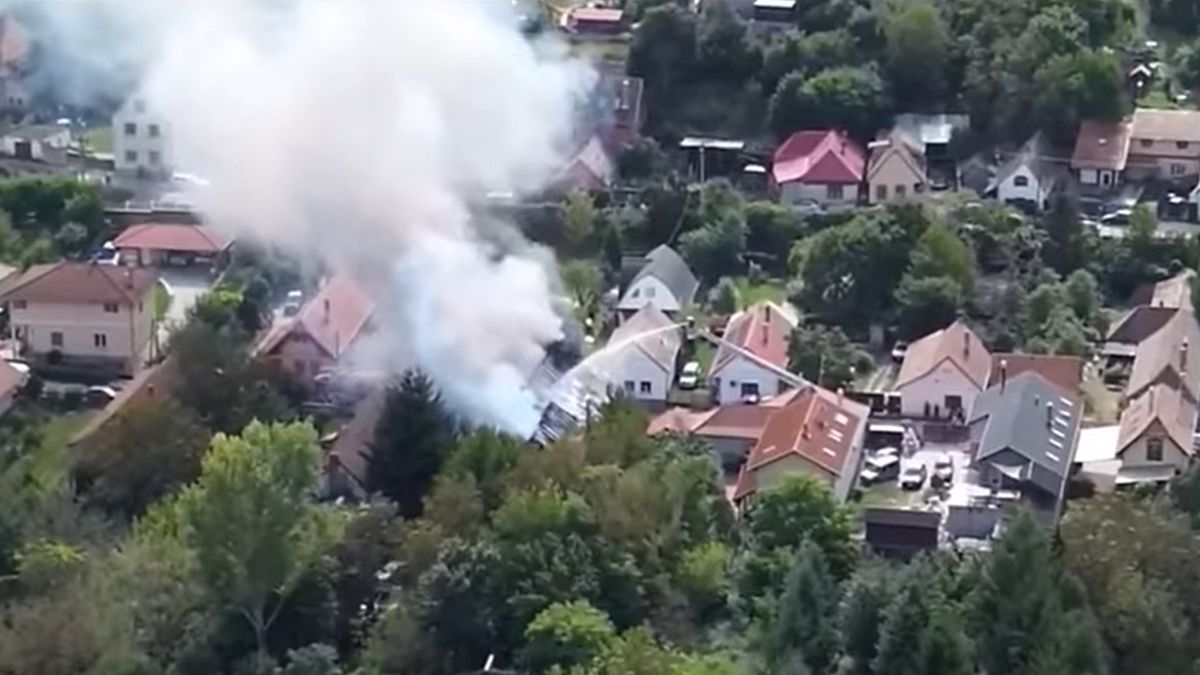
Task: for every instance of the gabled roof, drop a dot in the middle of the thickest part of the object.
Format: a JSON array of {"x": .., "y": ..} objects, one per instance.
[
  {"x": 1101, "y": 145},
  {"x": 650, "y": 332},
  {"x": 1174, "y": 293},
  {"x": 1166, "y": 125},
  {"x": 1163, "y": 404},
  {"x": 1033, "y": 155},
  {"x": 815, "y": 424},
  {"x": 79, "y": 282},
  {"x": 1033, "y": 418},
  {"x": 1064, "y": 372},
  {"x": 956, "y": 343},
  {"x": 897, "y": 147},
  {"x": 1139, "y": 323},
  {"x": 333, "y": 319},
  {"x": 1169, "y": 356},
  {"x": 34, "y": 132},
  {"x": 664, "y": 264},
  {"x": 173, "y": 237},
  {"x": 762, "y": 329},
  {"x": 825, "y": 156}
]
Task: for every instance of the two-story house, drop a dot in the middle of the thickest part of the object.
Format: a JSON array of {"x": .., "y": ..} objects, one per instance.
[
  {"x": 641, "y": 356},
  {"x": 664, "y": 280},
  {"x": 824, "y": 167},
  {"x": 943, "y": 372},
  {"x": 896, "y": 169},
  {"x": 752, "y": 356},
  {"x": 141, "y": 141},
  {"x": 83, "y": 316},
  {"x": 1165, "y": 144}
]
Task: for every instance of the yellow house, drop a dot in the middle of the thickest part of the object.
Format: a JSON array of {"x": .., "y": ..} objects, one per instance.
[{"x": 896, "y": 169}]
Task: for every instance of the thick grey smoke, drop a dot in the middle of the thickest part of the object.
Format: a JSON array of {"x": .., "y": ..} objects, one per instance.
[{"x": 359, "y": 131}]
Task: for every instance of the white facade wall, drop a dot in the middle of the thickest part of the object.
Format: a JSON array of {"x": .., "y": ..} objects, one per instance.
[
  {"x": 933, "y": 388},
  {"x": 1135, "y": 454},
  {"x": 634, "y": 370},
  {"x": 649, "y": 290},
  {"x": 740, "y": 370},
  {"x": 796, "y": 192},
  {"x": 126, "y": 333},
  {"x": 1008, "y": 189},
  {"x": 136, "y": 146}
]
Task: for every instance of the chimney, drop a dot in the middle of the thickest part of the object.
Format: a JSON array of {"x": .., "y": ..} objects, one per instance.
[
  {"x": 1049, "y": 414},
  {"x": 841, "y": 392},
  {"x": 804, "y": 432},
  {"x": 326, "y": 310},
  {"x": 1183, "y": 355},
  {"x": 966, "y": 344},
  {"x": 1003, "y": 374}
]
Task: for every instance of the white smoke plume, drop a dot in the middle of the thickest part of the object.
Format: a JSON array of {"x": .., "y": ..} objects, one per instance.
[{"x": 358, "y": 131}]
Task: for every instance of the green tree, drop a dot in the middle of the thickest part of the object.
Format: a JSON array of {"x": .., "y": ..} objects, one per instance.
[
  {"x": 663, "y": 50},
  {"x": 486, "y": 455},
  {"x": 724, "y": 297},
  {"x": 917, "y": 53},
  {"x": 802, "y": 508},
  {"x": 926, "y": 304},
  {"x": 716, "y": 248},
  {"x": 71, "y": 240},
  {"x": 826, "y": 356},
  {"x": 1083, "y": 295},
  {"x": 772, "y": 230},
  {"x": 703, "y": 577},
  {"x": 941, "y": 253},
  {"x": 579, "y": 222},
  {"x": 725, "y": 48},
  {"x": 565, "y": 635},
  {"x": 583, "y": 280},
  {"x": 413, "y": 436},
  {"x": 458, "y": 605},
  {"x": 1088, "y": 84},
  {"x": 845, "y": 97},
  {"x": 861, "y": 617},
  {"x": 1065, "y": 248},
  {"x": 315, "y": 659},
  {"x": 151, "y": 448},
  {"x": 1187, "y": 64},
  {"x": 804, "y": 626},
  {"x": 250, "y": 522}
]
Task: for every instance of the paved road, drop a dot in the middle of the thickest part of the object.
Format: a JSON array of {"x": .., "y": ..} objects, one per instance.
[{"x": 185, "y": 285}]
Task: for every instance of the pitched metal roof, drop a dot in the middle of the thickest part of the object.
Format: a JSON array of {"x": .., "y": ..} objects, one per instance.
[
  {"x": 664, "y": 264},
  {"x": 825, "y": 156},
  {"x": 957, "y": 343},
  {"x": 1033, "y": 418},
  {"x": 649, "y": 331}
]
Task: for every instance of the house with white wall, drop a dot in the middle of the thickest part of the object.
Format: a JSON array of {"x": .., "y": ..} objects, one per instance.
[
  {"x": 640, "y": 356},
  {"x": 663, "y": 281},
  {"x": 83, "y": 316},
  {"x": 37, "y": 142},
  {"x": 942, "y": 373},
  {"x": 142, "y": 143},
  {"x": 1028, "y": 178},
  {"x": 896, "y": 169},
  {"x": 824, "y": 167},
  {"x": 752, "y": 356}
]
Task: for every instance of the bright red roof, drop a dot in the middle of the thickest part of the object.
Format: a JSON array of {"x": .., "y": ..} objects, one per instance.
[
  {"x": 762, "y": 330},
  {"x": 333, "y": 318},
  {"x": 827, "y": 156},
  {"x": 172, "y": 237}
]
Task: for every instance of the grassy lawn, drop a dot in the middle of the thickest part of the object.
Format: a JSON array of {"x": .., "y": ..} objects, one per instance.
[
  {"x": 1155, "y": 98},
  {"x": 99, "y": 139},
  {"x": 162, "y": 301},
  {"x": 749, "y": 293},
  {"x": 1100, "y": 404}
]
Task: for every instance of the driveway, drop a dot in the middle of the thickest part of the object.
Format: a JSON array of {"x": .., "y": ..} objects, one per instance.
[{"x": 185, "y": 286}]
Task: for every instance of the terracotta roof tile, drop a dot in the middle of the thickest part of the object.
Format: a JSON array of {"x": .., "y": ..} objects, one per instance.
[
  {"x": 1164, "y": 404},
  {"x": 825, "y": 156},
  {"x": 78, "y": 282},
  {"x": 1064, "y": 372},
  {"x": 956, "y": 342},
  {"x": 763, "y": 329},
  {"x": 173, "y": 237},
  {"x": 334, "y": 318},
  {"x": 1166, "y": 125},
  {"x": 1101, "y": 145}
]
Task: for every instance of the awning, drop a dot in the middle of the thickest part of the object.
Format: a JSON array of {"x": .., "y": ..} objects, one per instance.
[{"x": 1130, "y": 475}]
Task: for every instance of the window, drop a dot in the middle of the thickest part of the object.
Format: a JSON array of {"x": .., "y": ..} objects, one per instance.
[
  {"x": 56, "y": 339},
  {"x": 901, "y": 190},
  {"x": 1021, "y": 181},
  {"x": 153, "y": 131},
  {"x": 19, "y": 304},
  {"x": 833, "y": 191},
  {"x": 155, "y": 157},
  {"x": 130, "y": 129},
  {"x": 881, "y": 192},
  {"x": 953, "y": 403},
  {"x": 111, "y": 307},
  {"x": 1146, "y": 142},
  {"x": 1178, "y": 169},
  {"x": 644, "y": 387},
  {"x": 1154, "y": 450},
  {"x": 629, "y": 386},
  {"x": 1182, "y": 145},
  {"x": 130, "y": 155},
  {"x": 649, "y": 291},
  {"x": 99, "y": 340}
]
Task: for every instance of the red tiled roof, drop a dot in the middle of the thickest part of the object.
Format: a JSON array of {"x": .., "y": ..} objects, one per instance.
[
  {"x": 811, "y": 426},
  {"x": 955, "y": 342},
  {"x": 78, "y": 282},
  {"x": 1101, "y": 145},
  {"x": 172, "y": 237},
  {"x": 762, "y": 329},
  {"x": 333, "y": 318},
  {"x": 678, "y": 421},
  {"x": 1064, "y": 372},
  {"x": 819, "y": 157}
]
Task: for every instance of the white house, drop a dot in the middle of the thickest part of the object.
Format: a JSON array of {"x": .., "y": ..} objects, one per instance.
[
  {"x": 664, "y": 281},
  {"x": 1154, "y": 442},
  {"x": 752, "y": 356},
  {"x": 943, "y": 372},
  {"x": 141, "y": 141},
  {"x": 36, "y": 142},
  {"x": 641, "y": 355},
  {"x": 1028, "y": 178}
]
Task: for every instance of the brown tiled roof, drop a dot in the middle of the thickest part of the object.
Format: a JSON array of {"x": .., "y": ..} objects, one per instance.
[
  {"x": 1064, "y": 372},
  {"x": 956, "y": 342},
  {"x": 678, "y": 421},
  {"x": 333, "y": 318},
  {"x": 1166, "y": 125},
  {"x": 1169, "y": 356},
  {"x": 1139, "y": 323},
  {"x": 1163, "y": 404},
  {"x": 1172, "y": 293},
  {"x": 172, "y": 237},
  {"x": 77, "y": 282},
  {"x": 762, "y": 329},
  {"x": 1101, "y": 145},
  {"x": 811, "y": 425}
]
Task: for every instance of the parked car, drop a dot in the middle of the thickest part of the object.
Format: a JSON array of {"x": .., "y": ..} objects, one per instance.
[
  {"x": 888, "y": 451},
  {"x": 291, "y": 306},
  {"x": 879, "y": 469},
  {"x": 899, "y": 350},
  {"x": 1118, "y": 217},
  {"x": 689, "y": 377},
  {"x": 913, "y": 476},
  {"x": 943, "y": 471},
  {"x": 100, "y": 394}
]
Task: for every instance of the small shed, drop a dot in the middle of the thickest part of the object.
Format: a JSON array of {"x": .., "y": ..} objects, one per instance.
[{"x": 901, "y": 533}]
